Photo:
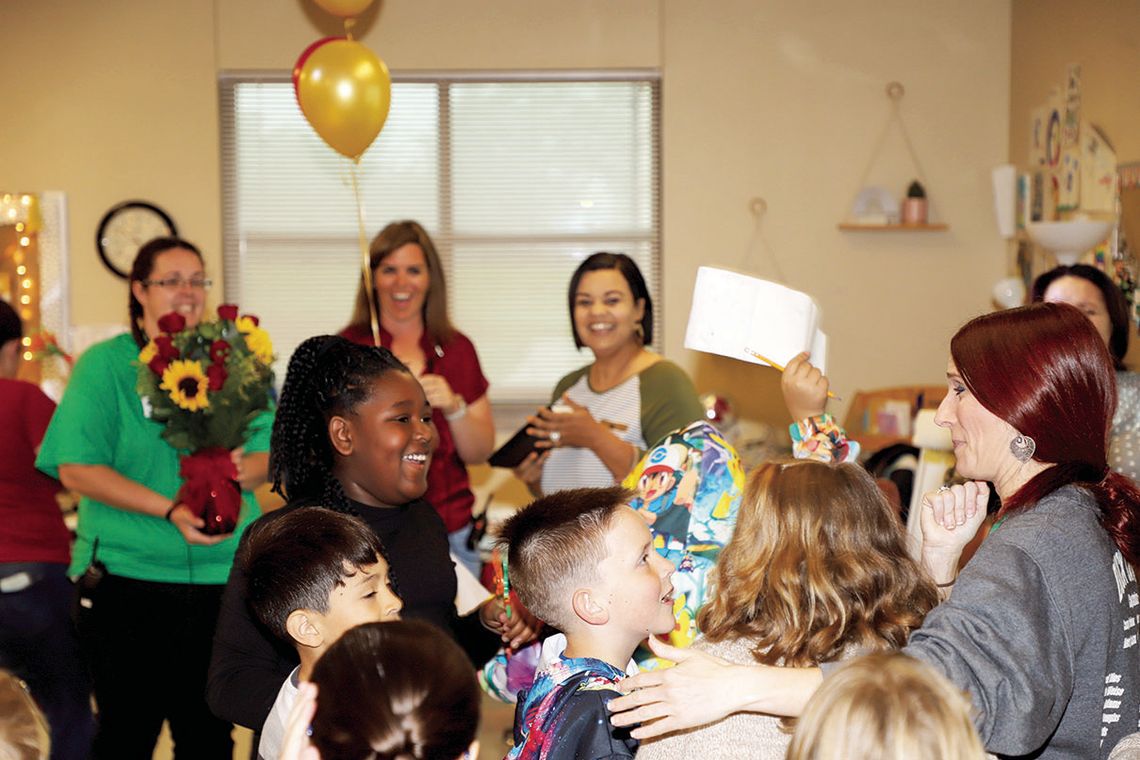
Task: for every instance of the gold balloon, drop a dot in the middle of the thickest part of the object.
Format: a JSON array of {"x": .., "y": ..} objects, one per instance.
[
  {"x": 344, "y": 91},
  {"x": 344, "y": 8}
]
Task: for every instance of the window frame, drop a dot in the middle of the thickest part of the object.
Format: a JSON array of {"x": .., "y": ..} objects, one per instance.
[{"x": 445, "y": 237}]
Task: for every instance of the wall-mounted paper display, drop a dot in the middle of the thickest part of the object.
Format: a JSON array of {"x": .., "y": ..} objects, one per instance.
[
  {"x": 1098, "y": 176},
  {"x": 733, "y": 312}
]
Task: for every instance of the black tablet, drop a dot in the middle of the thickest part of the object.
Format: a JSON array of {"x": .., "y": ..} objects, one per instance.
[{"x": 513, "y": 452}]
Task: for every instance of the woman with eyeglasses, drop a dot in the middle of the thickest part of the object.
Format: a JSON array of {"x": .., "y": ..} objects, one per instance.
[{"x": 152, "y": 580}]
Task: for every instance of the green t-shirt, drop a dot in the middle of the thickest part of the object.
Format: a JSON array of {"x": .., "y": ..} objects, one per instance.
[{"x": 101, "y": 421}]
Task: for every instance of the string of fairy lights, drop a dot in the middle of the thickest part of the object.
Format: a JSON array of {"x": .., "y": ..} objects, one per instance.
[{"x": 21, "y": 211}]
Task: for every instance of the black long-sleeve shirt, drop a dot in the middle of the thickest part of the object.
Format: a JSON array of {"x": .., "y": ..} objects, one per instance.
[{"x": 249, "y": 664}]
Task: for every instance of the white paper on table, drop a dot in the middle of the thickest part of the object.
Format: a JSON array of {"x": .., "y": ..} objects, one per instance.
[{"x": 733, "y": 312}]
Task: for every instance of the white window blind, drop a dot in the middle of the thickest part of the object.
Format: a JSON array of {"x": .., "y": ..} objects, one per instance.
[{"x": 516, "y": 178}]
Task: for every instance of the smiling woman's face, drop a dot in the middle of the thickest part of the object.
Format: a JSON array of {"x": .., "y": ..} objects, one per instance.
[
  {"x": 402, "y": 282},
  {"x": 175, "y": 284},
  {"x": 606, "y": 315}
]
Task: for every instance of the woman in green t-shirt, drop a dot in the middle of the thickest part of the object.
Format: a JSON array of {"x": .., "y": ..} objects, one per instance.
[{"x": 147, "y": 624}]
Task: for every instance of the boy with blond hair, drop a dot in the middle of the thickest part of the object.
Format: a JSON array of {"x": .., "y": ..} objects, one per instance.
[
  {"x": 583, "y": 561},
  {"x": 313, "y": 574}
]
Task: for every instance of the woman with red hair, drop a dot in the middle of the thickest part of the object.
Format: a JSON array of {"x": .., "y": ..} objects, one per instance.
[{"x": 1040, "y": 628}]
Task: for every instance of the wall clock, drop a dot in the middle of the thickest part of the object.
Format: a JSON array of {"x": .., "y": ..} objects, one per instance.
[{"x": 125, "y": 228}]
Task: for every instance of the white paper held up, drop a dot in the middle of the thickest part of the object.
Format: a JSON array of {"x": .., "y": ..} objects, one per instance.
[{"x": 734, "y": 311}]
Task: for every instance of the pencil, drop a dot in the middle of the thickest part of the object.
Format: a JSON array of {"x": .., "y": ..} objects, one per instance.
[
  {"x": 780, "y": 367},
  {"x": 506, "y": 584}
]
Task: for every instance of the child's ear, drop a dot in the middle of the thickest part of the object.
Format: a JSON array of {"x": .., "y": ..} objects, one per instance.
[
  {"x": 341, "y": 435},
  {"x": 588, "y": 607},
  {"x": 304, "y": 629}
]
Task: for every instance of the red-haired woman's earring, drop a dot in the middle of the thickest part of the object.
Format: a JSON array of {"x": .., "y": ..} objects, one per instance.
[{"x": 1022, "y": 447}]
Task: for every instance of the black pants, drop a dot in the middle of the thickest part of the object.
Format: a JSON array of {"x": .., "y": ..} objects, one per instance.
[
  {"x": 148, "y": 645},
  {"x": 38, "y": 644}
]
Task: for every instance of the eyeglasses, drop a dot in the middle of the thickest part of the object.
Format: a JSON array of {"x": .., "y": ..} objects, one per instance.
[{"x": 176, "y": 283}]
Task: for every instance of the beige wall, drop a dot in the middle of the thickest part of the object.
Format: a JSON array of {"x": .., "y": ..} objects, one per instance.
[
  {"x": 117, "y": 99},
  {"x": 1103, "y": 36}
]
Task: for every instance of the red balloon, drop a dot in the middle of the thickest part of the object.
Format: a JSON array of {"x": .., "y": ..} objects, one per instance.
[{"x": 301, "y": 62}]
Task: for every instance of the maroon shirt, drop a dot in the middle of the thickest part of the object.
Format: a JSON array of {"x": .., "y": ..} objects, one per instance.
[
  {"x": 31, "y": 524},
  {"x": 448, "y": 488}
]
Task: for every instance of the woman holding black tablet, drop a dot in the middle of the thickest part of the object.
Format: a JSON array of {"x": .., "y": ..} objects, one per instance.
[{"x": 605, "y": 415}]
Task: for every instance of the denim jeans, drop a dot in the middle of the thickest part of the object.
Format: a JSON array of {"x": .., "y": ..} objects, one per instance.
[{"x": 38, "y": 644}]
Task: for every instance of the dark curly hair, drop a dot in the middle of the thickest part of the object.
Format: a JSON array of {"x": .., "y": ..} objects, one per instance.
[{"x": 327, "y": 376}]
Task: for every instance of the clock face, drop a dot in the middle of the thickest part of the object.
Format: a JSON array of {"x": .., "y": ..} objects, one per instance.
[{"x": 125, "y": 228}]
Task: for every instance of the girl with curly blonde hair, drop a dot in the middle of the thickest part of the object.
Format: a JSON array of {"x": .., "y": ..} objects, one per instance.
[{"x": 816, "y": 571}]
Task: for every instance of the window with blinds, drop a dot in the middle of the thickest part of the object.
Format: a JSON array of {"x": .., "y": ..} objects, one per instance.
[{"x": 516, "y": 178}]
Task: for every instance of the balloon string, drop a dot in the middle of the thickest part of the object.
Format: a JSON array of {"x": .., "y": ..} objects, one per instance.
[
  {"x": 365, "y": 263},
  {"x": 348, "y": 24}
]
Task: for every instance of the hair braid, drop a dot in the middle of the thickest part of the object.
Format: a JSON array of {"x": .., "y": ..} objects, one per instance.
[{"x": 328, "y": 375}]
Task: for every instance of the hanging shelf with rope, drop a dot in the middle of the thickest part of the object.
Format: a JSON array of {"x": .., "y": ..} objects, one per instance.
[{"x": 871, "y": 198}]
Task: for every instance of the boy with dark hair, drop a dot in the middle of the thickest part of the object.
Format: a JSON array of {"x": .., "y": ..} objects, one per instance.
[
  {"x": 313, "y": 574},
  {"x": 583, "y": 561}
]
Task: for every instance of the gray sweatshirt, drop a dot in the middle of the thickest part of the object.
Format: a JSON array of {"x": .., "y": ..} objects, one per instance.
[{"x": 1041, "y": 631}]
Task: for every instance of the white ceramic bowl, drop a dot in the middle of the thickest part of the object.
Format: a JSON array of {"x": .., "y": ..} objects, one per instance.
[{"x": 1068, "y": 240}]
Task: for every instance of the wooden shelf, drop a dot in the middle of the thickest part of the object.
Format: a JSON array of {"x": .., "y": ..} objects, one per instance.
[{"x": 852, "y": 227}]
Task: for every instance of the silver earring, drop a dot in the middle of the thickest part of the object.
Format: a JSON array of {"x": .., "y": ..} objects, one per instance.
[{"x": 1022, "y": 447}]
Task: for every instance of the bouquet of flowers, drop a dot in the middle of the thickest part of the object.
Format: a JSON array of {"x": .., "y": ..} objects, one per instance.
[{"x": 206, "y": 384}]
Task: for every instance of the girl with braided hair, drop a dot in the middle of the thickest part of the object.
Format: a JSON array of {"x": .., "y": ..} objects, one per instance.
[{"x": 353, "y": 433}]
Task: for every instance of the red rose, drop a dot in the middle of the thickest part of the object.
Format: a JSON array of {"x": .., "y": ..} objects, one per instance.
[
  {"x": 158, "y": 364},
  {"x": 219, "y": 350},
  {"x": 216, "y": 374},
  {"x": 166, "y": 347},
  {"x": 172, "y": 322},
  {"x": 228, "y": 311}
]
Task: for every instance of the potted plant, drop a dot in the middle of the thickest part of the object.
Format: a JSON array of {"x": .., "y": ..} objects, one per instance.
[{"x": 914, "y": 206}]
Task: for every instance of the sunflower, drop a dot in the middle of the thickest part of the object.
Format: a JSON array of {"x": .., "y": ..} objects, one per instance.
[
  {"x": 186, "y": 383},
  {"x": 149, "y": 352},
  {"x": 260, "y": 344}
]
